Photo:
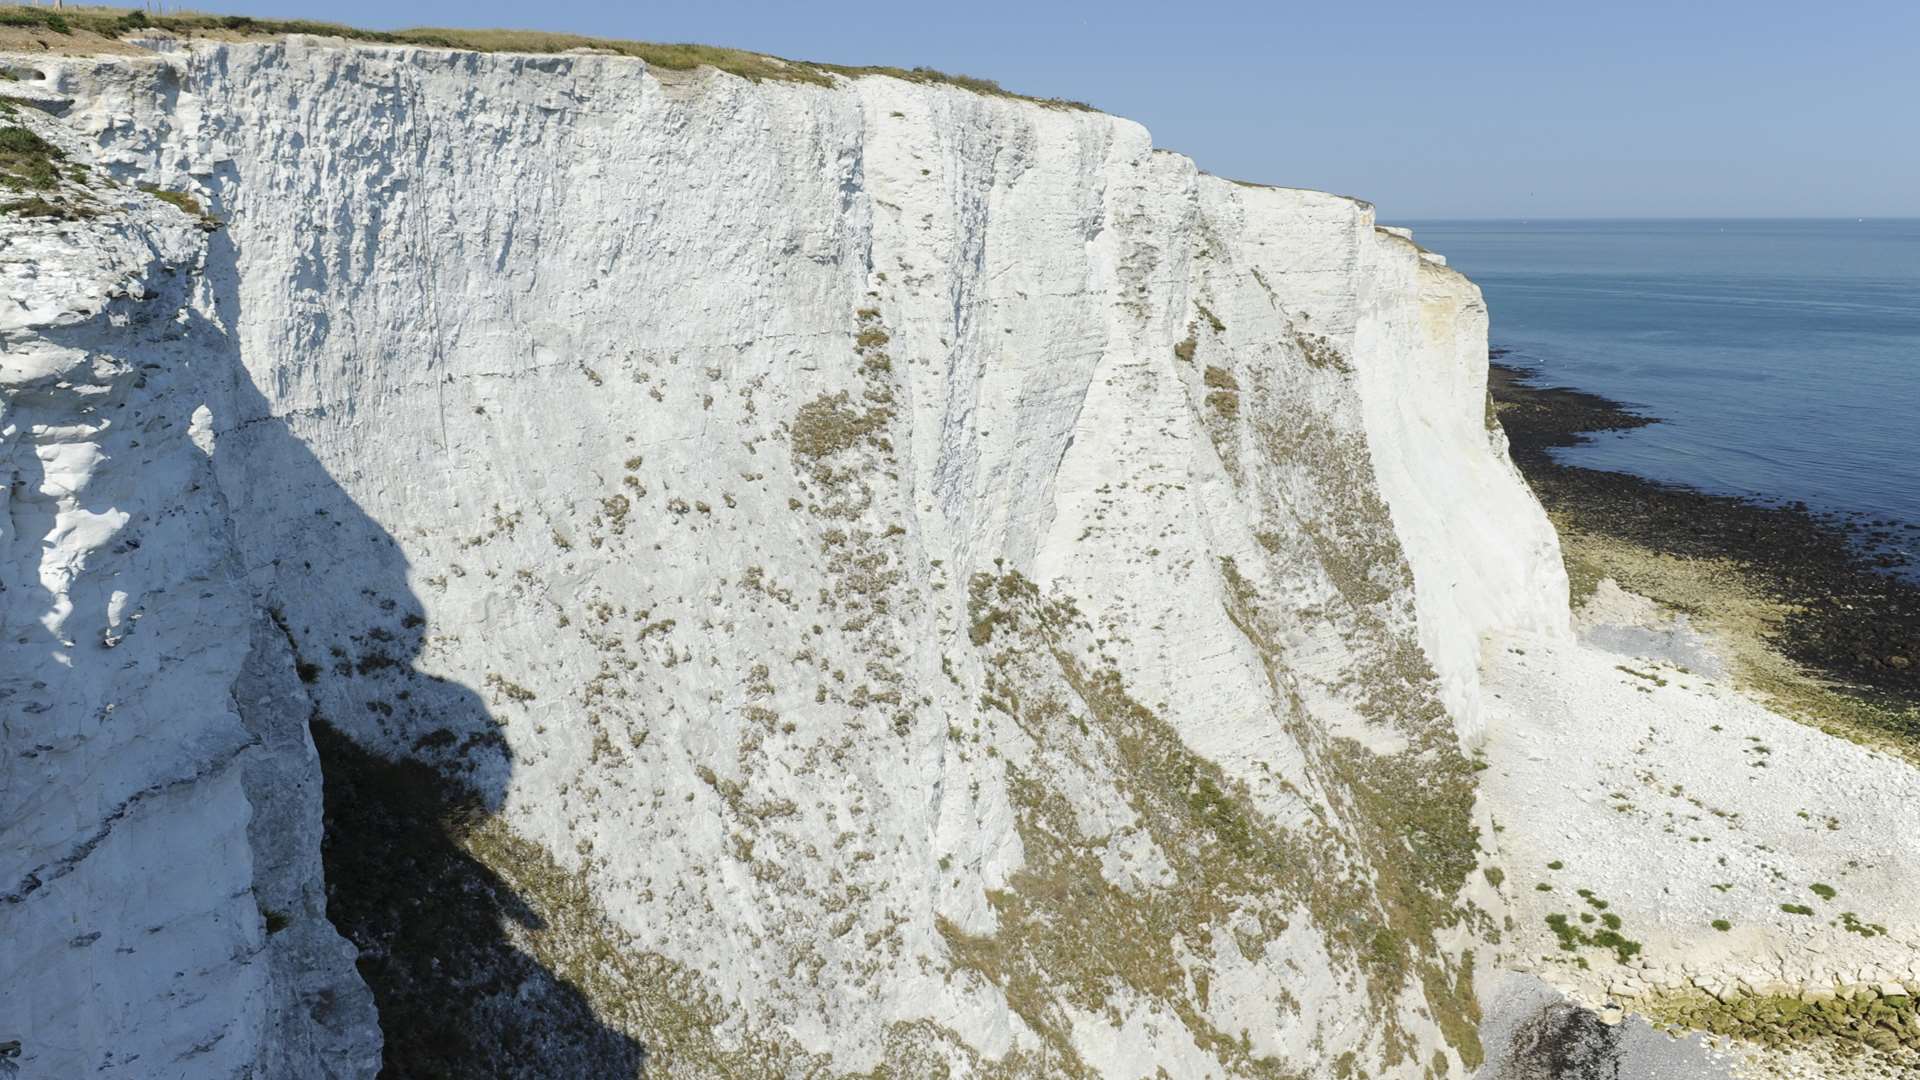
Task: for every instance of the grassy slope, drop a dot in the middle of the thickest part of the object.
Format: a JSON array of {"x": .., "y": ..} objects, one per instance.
[{"x": 83, "y": 26}]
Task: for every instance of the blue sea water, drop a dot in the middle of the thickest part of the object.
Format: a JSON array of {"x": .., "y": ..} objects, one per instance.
[{"x": 1782, "y": 356}]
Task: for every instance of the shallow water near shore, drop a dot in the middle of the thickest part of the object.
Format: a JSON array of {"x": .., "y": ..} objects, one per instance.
[{"x": 1783, "y": 357}]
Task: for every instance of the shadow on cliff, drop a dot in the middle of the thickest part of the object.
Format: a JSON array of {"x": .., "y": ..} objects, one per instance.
[{"x": 412, "y": 764}]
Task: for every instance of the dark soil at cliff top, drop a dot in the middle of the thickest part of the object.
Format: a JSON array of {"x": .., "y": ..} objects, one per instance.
[{"x": 1845, "y": 621}]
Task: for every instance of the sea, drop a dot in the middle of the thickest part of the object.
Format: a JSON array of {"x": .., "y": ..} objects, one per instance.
[{"x": 1782, "y": 356}]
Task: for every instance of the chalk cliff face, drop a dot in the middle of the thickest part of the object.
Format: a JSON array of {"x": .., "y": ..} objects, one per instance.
[
  {"x": 162, "y": 902},
  {"x": 871, "y": 575}
]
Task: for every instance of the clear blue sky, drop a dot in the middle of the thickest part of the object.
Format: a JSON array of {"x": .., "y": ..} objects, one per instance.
[{"x": 1428, "y": 109}]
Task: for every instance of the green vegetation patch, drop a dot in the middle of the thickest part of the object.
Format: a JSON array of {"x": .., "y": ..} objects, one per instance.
[
  {"x": 1647, "y": 675},
  {"x": 830, "y": 424},
  {"x": 32, "y": 166},
  {"x": 1184, "y": 350},
  {"x": 1066, "y": 934},
  {"x": 1224, "y": 395},
  {"x": 1319, "y": 352},
  {"x": 1379, "y": 886},
  {"x": 1574, "y": 937},
  {"x": 28, "y": 162},
  {"x": 1406, "y": 817},
  {"x": 36, "y": 18},
  {"x": 1845, "y": 1027},
  {"x": 1852, "y": 924},
  {"x": 183, "y": 202},
  {"x": 1410, "y": 814},
  {"x": 38, "y": 207}
]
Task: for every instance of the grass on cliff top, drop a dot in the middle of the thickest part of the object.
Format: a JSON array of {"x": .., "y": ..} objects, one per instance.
[{"x": 110, "y": 24}]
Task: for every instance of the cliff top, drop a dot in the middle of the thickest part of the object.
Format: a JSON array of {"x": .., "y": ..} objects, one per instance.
[
  {"x": 107, "y": 31},
  {"x": 92, "y": 30}
]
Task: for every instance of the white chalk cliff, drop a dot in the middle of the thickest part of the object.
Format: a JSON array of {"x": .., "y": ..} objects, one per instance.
[{"x": 892, "y": 577}]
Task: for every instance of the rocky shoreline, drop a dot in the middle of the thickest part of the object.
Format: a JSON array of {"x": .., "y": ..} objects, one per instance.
[
  {"x": 1796, "y": 610},
  {"x": 1822, "y": 627}
]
